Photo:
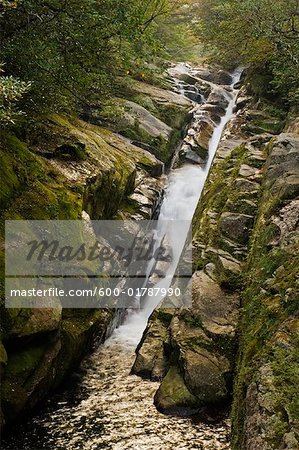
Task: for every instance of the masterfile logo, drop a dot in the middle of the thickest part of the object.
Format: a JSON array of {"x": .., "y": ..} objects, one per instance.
[{"x": 97, "y": 263}]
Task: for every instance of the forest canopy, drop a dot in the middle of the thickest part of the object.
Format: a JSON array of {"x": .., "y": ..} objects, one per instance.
[
  {"x": 61, "y": 54},
  {"x": 262, "y": 34},
  {"x": 71, "y": 50}
]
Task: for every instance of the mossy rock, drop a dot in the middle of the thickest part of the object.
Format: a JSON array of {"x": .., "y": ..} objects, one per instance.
[
  {"x": 71, "y": 152},
  {"x": 173, "y": 396}
]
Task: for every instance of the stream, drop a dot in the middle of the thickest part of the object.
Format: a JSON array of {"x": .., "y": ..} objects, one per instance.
[{"x": 103, "y": 406}]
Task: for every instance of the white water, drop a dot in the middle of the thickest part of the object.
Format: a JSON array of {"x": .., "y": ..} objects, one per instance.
[{"x": 181, "y": 197}]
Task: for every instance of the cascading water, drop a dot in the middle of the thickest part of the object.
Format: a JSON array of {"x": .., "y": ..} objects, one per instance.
[
  {"x": 111, "y": 409},
  {"x": 181, "y": 197}
]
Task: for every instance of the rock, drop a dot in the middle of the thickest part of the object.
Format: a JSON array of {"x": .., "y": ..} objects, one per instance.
[
  {"x": 160, "y": 95},
  {"x": 263, "y": 415},
  {"x": 150, "y": 361},
  {"x": 215, "y": 111},
  {"x": 287, "y": 220},
  {"x": 259, "y": 122},
  {"x": 226, "y": 147},
  {"x": 193, "y": 95},
  {"x": 202, "y": 137},
  {"x": 205, "y": 375},
  {"x": 238, "y": 85},
  {"x": 147, "y": 121},
  {"x": 260, "y": 140},
  {"x": 173, "y": 396},
  {"x": 282, "y": 165},
  {"x": 217, "y": 77},
  {"x": 246, "y": 186},
  {"x": 32, "y": 321},
  {"x": 242, "y": 101},
  {"x": 236, "y": 226},
  {"x": 188, "y": 78},
  {"x": 249, "y": 172},
  {"x": 218, "y": 98},
  {"x": 190, "y": 156},
  {"x": 290, "y": 441},
  {"x": 230, "y": 266}
]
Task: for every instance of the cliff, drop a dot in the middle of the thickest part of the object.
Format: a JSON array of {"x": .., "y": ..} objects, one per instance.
[{"x": 67, "y": 168}]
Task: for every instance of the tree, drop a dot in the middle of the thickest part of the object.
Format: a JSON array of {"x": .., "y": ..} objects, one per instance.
[
  {"x": 261, "y": 33},
  {"x": 72, "y": 50}
]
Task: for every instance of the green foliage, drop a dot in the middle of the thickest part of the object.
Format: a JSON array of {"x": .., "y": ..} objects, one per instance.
[
  {"x": 74, "y": 51},
  {"x": 260, "y": 33},
  {"x": 11, "y": 91}
]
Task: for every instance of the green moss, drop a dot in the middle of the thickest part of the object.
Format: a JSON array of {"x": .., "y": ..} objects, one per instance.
[
  {"x": 191, "y": 320},
  {"x": 28, "y": 188},
  {"x": 173, "y": 392},
  {"x": 22, "y": 363},
  {"x": 270, "y": 298}
]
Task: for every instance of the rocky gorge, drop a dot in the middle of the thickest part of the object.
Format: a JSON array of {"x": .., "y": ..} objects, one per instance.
[{"x": 238, "y": 343}]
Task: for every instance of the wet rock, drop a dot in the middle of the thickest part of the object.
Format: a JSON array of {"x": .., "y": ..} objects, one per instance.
[
  {"x": 32, "y": 321},
  {"x": 215, "y": 111},
  {"x": 260, "y": 140},
  {"x": 204, "y": 132},
  {"x": 194, "y": 96},
  {"x": 150, "y": 360},
  {"x": 186, "y": 154},
  {"x": 243, "y": 206},
  {"x": 211, "y": 271},
  {"x": 188, "y": 78},
  {"x": 217, "y": 77},
  {"x": 218, "y": 98}
]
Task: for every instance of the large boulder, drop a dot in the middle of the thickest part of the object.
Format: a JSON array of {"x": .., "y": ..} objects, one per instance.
[
  {"x": 173, "y": 395},
  {"x": 150, "y": 360},
  {"x": 214, "y": 76}
]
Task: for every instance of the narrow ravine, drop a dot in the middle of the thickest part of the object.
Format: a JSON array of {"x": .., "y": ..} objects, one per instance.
[{"x": 108, "y": 408}]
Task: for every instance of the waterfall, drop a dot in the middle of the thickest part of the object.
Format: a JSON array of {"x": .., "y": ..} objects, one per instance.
[{"x": 181, "y": 197}]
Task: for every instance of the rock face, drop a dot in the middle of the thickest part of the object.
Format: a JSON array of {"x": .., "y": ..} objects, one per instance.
[
  {"x": 71, "y": 167},
  {"x": 245, "y": 238},
  {"x": 147, "y": 121},
  {"x": 192, "y": 349},
  {"x": 265, "y": 409},
  {"x": 111, "y": 178}
]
